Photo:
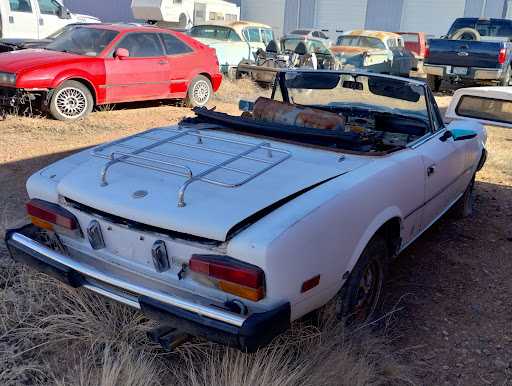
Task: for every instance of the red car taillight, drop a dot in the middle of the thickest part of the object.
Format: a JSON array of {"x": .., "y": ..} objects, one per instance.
[
  {"x": 50, "y": 216},
  {"x": 503, "y": 55},
  {"x": 237, "y": 279},
  {"x": 427, "y": 50}
]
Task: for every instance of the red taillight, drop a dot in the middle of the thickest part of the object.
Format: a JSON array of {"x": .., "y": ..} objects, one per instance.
[
  {"x": 238, "y": 274},
  {"x": 304, "y": 37},
  {"x": 427, "y": 50},
  {"x": 366, "y": 54},
  {"x": 48, "y": 216},
  {"x": 503, "y": 55},
  {"x": 237, "y": 279}
]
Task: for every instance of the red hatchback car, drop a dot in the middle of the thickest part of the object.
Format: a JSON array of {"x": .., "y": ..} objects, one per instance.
[{"x": 102, "y": 64}]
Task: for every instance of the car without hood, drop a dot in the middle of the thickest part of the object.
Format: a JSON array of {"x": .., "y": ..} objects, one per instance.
[
  {"x": 108, "y": 64},
  {"x": 231, "y": 227}
]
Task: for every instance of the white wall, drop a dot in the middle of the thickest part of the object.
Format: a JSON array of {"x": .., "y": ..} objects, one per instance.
[
  {"x": 336, "y": 15},
  {"x": 434, "y": 17},
  {"x": 270, "y": 12}
]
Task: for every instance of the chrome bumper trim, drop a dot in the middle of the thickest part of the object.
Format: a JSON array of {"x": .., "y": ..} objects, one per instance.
[{"x": 210, "y": 312}]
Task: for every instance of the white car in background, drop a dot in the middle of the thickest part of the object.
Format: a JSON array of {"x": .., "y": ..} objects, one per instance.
[{"x": 231, "y": 227}]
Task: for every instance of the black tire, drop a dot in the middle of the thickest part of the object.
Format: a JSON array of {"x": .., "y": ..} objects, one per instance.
[
  {"x": 361, "y": 296},
  {"x": 506, "y": 78},
  {"x": 466, "y": 34},
  {"x": 71, "y": 101},
  {"x": 464, "y": 205},
  {"x": 433, "y": 82},
  {"x": 199, "y": 92}
]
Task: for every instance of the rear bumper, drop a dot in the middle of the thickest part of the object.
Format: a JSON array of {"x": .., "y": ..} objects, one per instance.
[
  {"x": 473, "y": 73},
  {"x": 212, "y": 323}
]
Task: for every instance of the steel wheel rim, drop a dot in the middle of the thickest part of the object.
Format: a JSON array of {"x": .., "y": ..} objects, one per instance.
[
  {"x": 368, "y": 292},
  {"x": 201, "y": 92},
  {"x": 71, "y": 102}
]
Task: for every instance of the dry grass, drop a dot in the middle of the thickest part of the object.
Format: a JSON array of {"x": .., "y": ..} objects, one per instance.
[
  {"x": 53, "y": 334},
  {"x": 231, "y": 91}
]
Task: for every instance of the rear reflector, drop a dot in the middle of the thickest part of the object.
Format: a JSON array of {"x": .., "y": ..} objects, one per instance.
[
  {"x": 49, "y": 216},
  {"x": 235, "y": 278},
  {"x": 503, "y": 55},
  {"x": 311, "y": 283}
]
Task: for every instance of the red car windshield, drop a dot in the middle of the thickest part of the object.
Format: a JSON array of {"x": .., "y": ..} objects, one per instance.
[{"x": 84, "y": 41}]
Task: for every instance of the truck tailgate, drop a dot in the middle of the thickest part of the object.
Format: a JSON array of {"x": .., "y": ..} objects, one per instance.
[{"x": 464, "y": 53}]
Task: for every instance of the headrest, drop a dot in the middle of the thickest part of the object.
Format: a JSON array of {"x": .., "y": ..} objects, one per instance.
[
  {"x": 273, "y": 46},
  {"x": 301, "y": 48}
]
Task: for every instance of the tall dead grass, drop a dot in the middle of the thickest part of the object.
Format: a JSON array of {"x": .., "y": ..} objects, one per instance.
[
  {"x": 53, "y": 334},
  {"x": 231, "y": 91}
]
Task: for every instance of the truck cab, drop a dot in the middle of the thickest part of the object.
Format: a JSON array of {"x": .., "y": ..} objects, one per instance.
[{"x": 36, "y": 19}]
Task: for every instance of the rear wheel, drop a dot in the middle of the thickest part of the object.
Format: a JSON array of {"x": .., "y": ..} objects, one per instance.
[
  {"x": 361, "y": 296},
  {"x": 70, "y": 101},
  {"x": 199, "y": 92},
  {"x": 464, "y": 205},
  {"x": 433, "y": 82}
]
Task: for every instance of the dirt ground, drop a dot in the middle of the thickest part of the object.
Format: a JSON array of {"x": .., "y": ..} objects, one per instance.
[{"x": 449, "y": 297}]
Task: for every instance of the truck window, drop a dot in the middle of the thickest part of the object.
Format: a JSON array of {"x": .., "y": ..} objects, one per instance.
[
  {"x": 20, "y": 6},
  {"x": 499, "y": 28},
  {"x": 48, "y": 7}
]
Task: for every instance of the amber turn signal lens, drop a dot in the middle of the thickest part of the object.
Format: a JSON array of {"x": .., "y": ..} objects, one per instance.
[
  {"x": 254, "y": 295},
  {"x": 41, "y": 223}
]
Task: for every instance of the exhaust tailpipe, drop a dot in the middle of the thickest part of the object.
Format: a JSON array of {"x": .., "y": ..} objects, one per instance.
[
  {"x": 155, "y": 334},
  {"x": 173, "y": 339}
]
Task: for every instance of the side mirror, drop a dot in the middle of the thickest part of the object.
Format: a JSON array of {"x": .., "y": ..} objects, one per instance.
[
  {"x": 458, "y": 134},
  {"x": 121, "y": 53},
  {"x": 64, "y": 12}
]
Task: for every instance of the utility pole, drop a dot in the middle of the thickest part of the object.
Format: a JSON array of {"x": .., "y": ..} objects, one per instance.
[{"x": 506, "y": 5}]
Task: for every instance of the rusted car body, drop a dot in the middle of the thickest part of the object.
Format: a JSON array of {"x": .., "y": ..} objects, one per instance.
[{"x": 375, "y": 51}]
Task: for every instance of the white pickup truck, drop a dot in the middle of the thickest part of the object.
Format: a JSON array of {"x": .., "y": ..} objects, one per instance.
[
  {"x": 36, "y": 19},
  {"x": 230, "y": 227}
]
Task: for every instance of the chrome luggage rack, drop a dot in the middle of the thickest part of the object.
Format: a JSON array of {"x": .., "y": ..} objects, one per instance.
[{"x": 160, "y": 150}]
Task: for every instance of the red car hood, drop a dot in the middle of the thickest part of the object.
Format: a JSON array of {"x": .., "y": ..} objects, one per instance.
[{"x": 16, "y": 61}]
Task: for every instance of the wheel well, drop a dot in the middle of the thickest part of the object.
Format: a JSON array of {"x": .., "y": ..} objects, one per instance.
[
  {"x": 86, "y": 84},
  {"x": 391, "y": 232}
]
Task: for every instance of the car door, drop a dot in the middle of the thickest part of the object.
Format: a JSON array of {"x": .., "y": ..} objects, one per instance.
[
  {"x": 22, "y": 20},
  {"x": 48, "y": 17},
  {"x": 182, "y": 65},
  {"x": 444, "y": 161},
  {"x": 144, "y": 74}
]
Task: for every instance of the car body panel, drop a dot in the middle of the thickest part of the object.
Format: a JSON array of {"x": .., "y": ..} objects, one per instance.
[{"x": 325, "y": 194}]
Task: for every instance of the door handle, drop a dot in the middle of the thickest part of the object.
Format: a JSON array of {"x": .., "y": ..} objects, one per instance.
[
  {"x": 41, "y": 21},
  {"x": 163, "y": 62},
  {"x": 431, "y": 169}
]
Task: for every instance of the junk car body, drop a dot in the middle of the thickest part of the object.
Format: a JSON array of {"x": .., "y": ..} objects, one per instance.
[
  {"x": 230, "y": 227},
  {"x": 107, "y": 64},
  {"x": 289, "y": 52},
  {"x": 376, "y": 51},
  {"x": 233, "y": 40}
]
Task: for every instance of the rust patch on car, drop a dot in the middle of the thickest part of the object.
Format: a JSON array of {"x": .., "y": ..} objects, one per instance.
[{"x": 268, "y": 110}]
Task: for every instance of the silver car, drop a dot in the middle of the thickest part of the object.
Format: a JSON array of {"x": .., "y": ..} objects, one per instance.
[{"x": 309, "y": 33}]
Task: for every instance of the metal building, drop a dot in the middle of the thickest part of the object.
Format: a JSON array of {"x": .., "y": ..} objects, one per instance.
[{"x": 334, "y": 16}]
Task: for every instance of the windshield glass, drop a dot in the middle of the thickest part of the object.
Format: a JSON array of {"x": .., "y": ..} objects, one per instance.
[
  {"x": 214, "y": 32},
  {"x": 84, "y": 41},
  {"x": 500, "y": 28},
  {"x": 372, "y": 93},
  {"x": 360, "y": 41}
]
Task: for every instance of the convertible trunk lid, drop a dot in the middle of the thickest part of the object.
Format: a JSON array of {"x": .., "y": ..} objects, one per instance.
[{"x": 150, "y": 197}]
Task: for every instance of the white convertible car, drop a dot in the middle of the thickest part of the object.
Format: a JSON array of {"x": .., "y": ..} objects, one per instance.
[{"x": 230, "y": 227}]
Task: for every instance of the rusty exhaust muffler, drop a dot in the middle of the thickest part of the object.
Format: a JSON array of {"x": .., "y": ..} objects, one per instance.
[
  {"x": 155, "y": 334},
  {"x": 173, "y": 339}
]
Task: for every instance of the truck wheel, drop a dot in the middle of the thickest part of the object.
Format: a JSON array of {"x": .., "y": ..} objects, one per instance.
[
  {"x": 464, "y": 205},
  {"x": 199, "y": 92},
  {"x": 506, "y": 78},
  {"x": 361, "y": 296},
  {"x": 466, "y": 34},
  {"x": 70, "y": 101},
  {"x": 433, "y": 82}
]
